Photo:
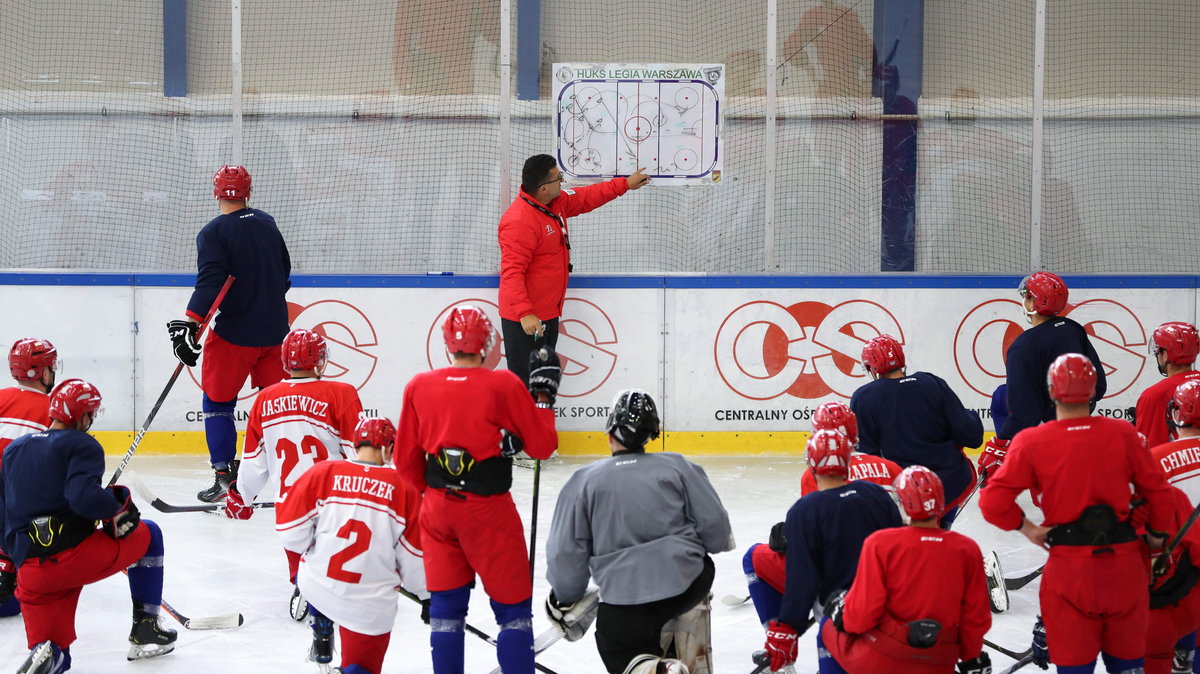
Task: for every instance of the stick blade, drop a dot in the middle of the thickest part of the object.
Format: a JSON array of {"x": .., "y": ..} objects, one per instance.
[
  {"x": 732, "y": 600},
  {"x": 218, "y": 622}
]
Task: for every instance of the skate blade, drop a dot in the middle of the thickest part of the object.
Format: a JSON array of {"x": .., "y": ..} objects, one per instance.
[
  {"x": 143, "y": 651},
  {"x": 997, "y": 592}
]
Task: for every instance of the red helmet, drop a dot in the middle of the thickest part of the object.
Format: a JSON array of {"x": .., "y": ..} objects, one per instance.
[
  {"x": 30, "y": 358},
  {"x": 1179, "y": 340},
  {"x": 829, "y": 453},
  {"x": 1185, "y": 404},
  {"x": 920, "y": 492},
  {"x": 231, "y": 182},
  {"x": 836, "y": 416},
  {"x": 1048, "y": 292},
  {"x": 72, "y": 399},
  {"x": 1072, "y": 379},
  {"x": 374, "y": 431},
  {"x": 882, "y": 354},
  {"x": 468, "y": 330},
  {"x": 305, "y": 350}
]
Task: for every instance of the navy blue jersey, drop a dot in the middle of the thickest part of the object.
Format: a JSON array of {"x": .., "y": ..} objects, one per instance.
[
  {"x": 50, "y": 473},
  {"x": 1029, "y": 360},
  {"x": 248, "y": 245},
  {"x": 918, "y": 420},
  {"x": 825, "y": 532},
  {"x": 1000, "y": 406}
]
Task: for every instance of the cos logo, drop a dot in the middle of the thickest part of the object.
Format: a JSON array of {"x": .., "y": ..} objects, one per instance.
[
  {"x": 350, "y": 335},
  {"x": 807, "y": 350},
  {"x": 586, "y": 344},
  {"x": 986, "y": 332}
]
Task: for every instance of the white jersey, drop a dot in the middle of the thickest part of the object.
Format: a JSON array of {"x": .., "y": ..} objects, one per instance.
[
  {"x": 293, "y": 426},
  {"x": 356, "y": 526}
]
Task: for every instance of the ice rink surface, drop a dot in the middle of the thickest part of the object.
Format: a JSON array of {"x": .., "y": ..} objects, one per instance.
[{"x": 217, "y": 566}]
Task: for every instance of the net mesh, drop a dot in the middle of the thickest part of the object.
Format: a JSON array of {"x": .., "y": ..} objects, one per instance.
[{"x": 373, "y": 133}]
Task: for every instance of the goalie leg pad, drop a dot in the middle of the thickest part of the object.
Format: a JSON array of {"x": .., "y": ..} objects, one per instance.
[
  {"x": 997, "y": 592},
  {"x": 691, "y": 633},
  {"x": 652, "y": 664}
]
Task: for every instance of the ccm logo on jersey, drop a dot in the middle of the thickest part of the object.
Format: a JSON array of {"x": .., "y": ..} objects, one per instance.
[
  {"x": 931, "y": 539},
  {"x": 363, "y": 485}
]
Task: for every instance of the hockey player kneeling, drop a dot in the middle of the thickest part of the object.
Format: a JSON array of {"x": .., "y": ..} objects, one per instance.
[
  {"x": 645, "y": 525},
  {"x": 919, "y": 601}
]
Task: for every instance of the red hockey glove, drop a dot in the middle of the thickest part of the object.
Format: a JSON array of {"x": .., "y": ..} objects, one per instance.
[
  {"x": 992, "y": 456},
  {"x": 235, "y": 507},
  {"x": 8, "y": 578},
  {"x": 127, "y": 518},
  {"x": 781, "y": 644}
]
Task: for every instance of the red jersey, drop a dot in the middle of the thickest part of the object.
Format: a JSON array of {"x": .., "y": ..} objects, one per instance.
[
  {"x": 915, "y": 573},
  {"x": 1151, "y": 411},
  {"x": 22, "y": 411},
  {"x": 294, "y": 425},
  {"x": 356, "y": 525},
  {"x": 1072, "y": 464},
  {"x": 465, "y": 408},
  {"x": 867, "y": 467},
  {"x": 1180, "y": 461},
  {"x": 535, "y": 259}
]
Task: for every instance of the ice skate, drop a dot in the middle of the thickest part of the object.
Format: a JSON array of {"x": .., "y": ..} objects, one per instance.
[
  {"x": 148, "y": 639},
  {"x": 45, "y": 658},
  {"x": 321, "y": 651},
  {"x": 222, "y": 477},
  {"x": 298, "y": 605}
]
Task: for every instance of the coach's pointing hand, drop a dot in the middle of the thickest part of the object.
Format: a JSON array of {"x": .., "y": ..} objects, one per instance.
[{"x": 638, "y": 179}]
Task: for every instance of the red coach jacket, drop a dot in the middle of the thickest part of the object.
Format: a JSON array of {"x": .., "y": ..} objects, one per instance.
[{"x": 534, "y": 257}]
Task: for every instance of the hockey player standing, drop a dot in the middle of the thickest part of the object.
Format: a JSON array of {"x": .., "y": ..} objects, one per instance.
[
  {"x": 1094, "y": 596},
  {"x": 448, "y": 446},
  {"x": 24, "y": 409},
  {"x": 1044, "y": 297},
  {"x": 1174, "y": 347},
  {"x": 1180, "y": 459},
  {"x": 355, "y": 525},
  {"x": 915, "y": 420},
  {"x": 825, "y": 532},
  {"x": 293, "y": 426},
  {"x": 919, "y": 601},
  {"x": 644, "y": 525},
  {"x": 253, "y": 319},
  {"x": 50, "y": 500}
]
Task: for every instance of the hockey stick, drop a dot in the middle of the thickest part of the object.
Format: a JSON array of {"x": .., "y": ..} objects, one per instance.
[
  {"x": 486, "y": 637},
  {"x": 1028, "y": 659},
  {"x": 137, "y": 439},
  {"x": 1159, "y": 567},
  {"x": 161, "y": 506},
  {"x": 537, "y": 479},
  {"x": 733, "y": 600},
  {"x": 216, "y": 622},
  {"x": 762, "y": 659},
  {"x": 1027, "y": 653},
  {"x": 1022, "y": 581}
]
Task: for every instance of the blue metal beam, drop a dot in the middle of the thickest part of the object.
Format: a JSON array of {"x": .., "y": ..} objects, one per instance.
[
  {"x": 174, "y": 47},
  {"x": 529, "y": 49},
  {"x": 899, "y": 34}
]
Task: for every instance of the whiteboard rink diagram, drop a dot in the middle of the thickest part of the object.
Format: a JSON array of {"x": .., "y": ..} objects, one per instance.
[{"x": 668, "y": 123}]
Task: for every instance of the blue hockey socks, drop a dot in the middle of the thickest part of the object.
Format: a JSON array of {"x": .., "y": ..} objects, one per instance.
[
  {"x": 767, "y": 601},
  {"x": 514, "y": 644},
  {"x": 219, "y": 431},
  {"x": 447, "y": 622},
  {"x": 825, "y": 662},
  {"x": 146, "y": 575},
  {"x": 1121, "y": 665}
]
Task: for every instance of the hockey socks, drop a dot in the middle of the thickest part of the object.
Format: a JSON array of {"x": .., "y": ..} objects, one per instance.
[
  {"x": 825, "y": 662},
  {"x": 767, "y": 602},
  {"x": 514, "y": 644},
  {"x": 146, "y": 574},
  {"x": 447, "y": 624},
  {"x": 219, "y": 431}
]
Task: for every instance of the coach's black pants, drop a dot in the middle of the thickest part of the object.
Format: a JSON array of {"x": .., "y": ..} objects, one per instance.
[
  {"x": 518, "y": 345},
  {"x": 626, "y": 631}
]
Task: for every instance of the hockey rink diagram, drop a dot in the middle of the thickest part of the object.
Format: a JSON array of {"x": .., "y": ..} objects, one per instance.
[{"x": 614, "y": 127}]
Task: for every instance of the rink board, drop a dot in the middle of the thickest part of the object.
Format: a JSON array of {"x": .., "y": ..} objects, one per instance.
[{"x": 738, "y": 364}]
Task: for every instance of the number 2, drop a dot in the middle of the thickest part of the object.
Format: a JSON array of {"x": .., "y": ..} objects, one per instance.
[{"x": 359, "y": 535}]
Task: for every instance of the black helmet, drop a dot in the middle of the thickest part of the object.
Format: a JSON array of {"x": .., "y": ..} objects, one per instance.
[{"x": 634, "y": 419}]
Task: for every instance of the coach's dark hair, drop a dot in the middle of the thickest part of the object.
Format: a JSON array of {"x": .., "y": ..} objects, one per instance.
[{"x": 536, "y": 170}]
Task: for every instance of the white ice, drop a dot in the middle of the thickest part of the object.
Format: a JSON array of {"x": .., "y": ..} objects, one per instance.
[{"x": 216, "y": 566}]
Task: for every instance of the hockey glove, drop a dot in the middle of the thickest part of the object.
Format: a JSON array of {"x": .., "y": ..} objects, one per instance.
[
  {"x": 510, "y": 444},
  {"x": 235, "y": 506},
  {"x": 781, "y": 644},
  {"x": 573, "y": 620},
  {"x": 127, "y": 518},
  {"x": 1041, "y": 656},
  {"x": 425, "y": 611},
  {"x": 777, "y": 541},
  {"x": 545, "y": 372},
  {"x": 992, "y": 456},
  {"x": 183, "y": 341},
  {"x": 835, "y": 608},
  {"x": 982, "y": 664},
  {"x": 8, "y": 578}
]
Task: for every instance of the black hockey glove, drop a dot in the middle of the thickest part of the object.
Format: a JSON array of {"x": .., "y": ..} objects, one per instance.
[
  {"x": 127, "y": 518},
  {"x": 835, "y": 607},
  {"x": 1041, "y": 656},
  {"x": 8, "y": 578},
  {"x": 545, "y": 372},
  {"x": 978, "y": 665},
  {"x": 425, "y": 611},
  {"x": 510, "y": 444},
  {"x": 777, "y": 541},
  {"x": 183, "y": 341}
]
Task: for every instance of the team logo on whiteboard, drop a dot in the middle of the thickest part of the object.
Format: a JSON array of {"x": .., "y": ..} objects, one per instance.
[
  {"x": 986, "y": 332},
  {"x": 587, "y": 343},
  {"x": 808, "y": 350}
]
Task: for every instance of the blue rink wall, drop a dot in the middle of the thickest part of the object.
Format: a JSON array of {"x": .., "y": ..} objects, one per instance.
[{"x": 737, "y": 363}]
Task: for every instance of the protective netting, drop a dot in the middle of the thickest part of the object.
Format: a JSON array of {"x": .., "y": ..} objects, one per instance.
[{"x": 373, "y": 133}]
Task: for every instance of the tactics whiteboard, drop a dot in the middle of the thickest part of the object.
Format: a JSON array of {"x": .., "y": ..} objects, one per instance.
[{"x": 614, "y": 119}]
